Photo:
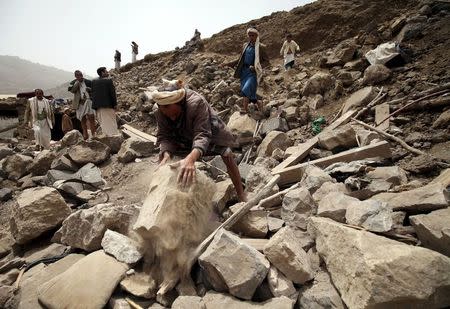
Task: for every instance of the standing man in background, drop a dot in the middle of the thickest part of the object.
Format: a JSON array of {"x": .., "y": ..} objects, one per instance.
[
  {"x": 117, "y": 59},
  {"x": 134, "y": 51},
  {"x": 39, "y": 116},
  {"x": 288, "y": 51},
  {"x": 104, "y": 101},
  {"x": 82, "y": 104}
]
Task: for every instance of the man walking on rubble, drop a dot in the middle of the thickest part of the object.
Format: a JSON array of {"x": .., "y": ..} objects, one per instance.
[
  {"x": 249, "y": 68},
  {"x": 188, "y": 124},
  {"x": 134, "y": 51},
  {"x": 39, "y": 116},
  {"x": 82, "y": 104},
  {"x": 288, "y": 50},
  {"x": 104, "y": 101}
]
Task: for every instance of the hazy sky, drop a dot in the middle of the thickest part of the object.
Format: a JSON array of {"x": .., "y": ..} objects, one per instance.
[{"x": 84, "y": 34}]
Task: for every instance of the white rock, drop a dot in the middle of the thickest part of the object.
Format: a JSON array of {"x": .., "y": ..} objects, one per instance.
[{"x": 121, "y": 247}]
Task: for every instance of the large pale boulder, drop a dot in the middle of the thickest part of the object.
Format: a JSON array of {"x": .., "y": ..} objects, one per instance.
[
  {"x": 321, "y": 294},
  {"x": 359, "y": 262},
  {"x": 242, "y": 125},
  {"x": 375, "y": 74},
  {"x": 297, "y": 207},
  {"x": 334, "y": 206},
  {"x": 123, "y": 248},
  {"x": 319, "y": 83},
  {"x": 285, "y": 252},
  {"x": 342, "y": 137},
  {"x": 219, "y": 263},
  {"x": 370, "y": 214},
  {"x": 89, "y": 152},
  {"x": 430, "y": 197},
  {"x": 85, "y": 228},
  {"x": 433, "y": 230},
  {"x": 71, "y": 138},
  {"x": 272, "y": 141},
  {"x": 38, "y": 210},
  {"x": 87, "y": 284},
  {"x": 16, "y": 166}
]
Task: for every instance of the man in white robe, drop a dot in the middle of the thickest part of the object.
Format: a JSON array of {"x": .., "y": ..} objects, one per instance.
[
  {"x": 288, "y": 50},
  {"x": 39, "y": 116}
]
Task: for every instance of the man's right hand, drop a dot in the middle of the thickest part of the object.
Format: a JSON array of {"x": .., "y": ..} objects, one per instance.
[{"x": 165, "y": 158}]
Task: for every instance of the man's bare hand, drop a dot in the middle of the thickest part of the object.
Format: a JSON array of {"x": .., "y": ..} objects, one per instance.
[
  {"x": 186, "y": 174},
  {"x": 165, "y": 158}
]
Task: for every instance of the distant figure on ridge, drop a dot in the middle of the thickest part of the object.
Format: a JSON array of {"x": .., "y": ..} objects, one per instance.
[
  {"x": 134, "y": 51},
  {"x": 82, "y": 104},
  {"x": 104, "y": 101},
  {"x": 39, "y": 116},
  {"x": 117, "y": 59},
  {"x": 249, "y": 68},
  {"x": 288, "y": 50}
]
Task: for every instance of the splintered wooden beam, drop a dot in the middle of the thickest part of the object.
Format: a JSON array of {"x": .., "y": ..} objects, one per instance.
[
  {"x": 294, "y": 173},
  {"x": 306, "y": 147},
  {"x": 381, "y": 116},
  {"x": 130, "y": 131}
]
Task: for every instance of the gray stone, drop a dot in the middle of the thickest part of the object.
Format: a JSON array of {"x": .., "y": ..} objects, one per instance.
[
  {"x": 121, "y": 247},
  {"x": 15, "y": 166},
  {"x": 342, "y": 137},
  {"x": 114, "y": 142},
  {"x": 359, "y": 98},
  {"x": 372, "y": 215},
  {"x": 241, "y": 125},
  {"x": 443, "y": 121},
  {"x": 319, "y": 83},
  {"x": 213, "y": 300},
  {"x": 398, "y": 24},
  {"x": 433, "y": 230},
  {"x": 279, "y": 285},
  {"x": 5, "y": 152},
  {"x": 91, "y": 174},
  {"x": 273, "y": 140},
  {"x": 375, "y": 74},
  {"x": 274, "y": 124},
  {"x": 63, "y": 163},
  {"x": 366, "y": 137},
  {"x": 321, "y": 294},
  {"x": 224, "y": 193},
  {"x": 42, "y": 162},
  {"x": 313, "y": 178},
  {"x": 89, "y": 152},
  {"x": 5, "y": 194},
  {"x": 274, "y": 224},
  {"x": 286, "y": 254},
  {"x": 192, "y": 302},
  {"x": 334, "y": 205},
  {"x": 133, "y": 148},
  {"x": 55, "y": 175},
  {"x": 253, "y": 224},
  {"x": 315, "y": 102},
  {"x": 392, "y": 174},
  {"x": 38, "y": 210},
  {"x": 6, "y": 292},
  {"x": 219, "y": 261},
  {"x": 71, "y": 138},
  {"x": 328, "y": 187},
  {"x": 358, "y": 262},
  {"x": 216, "y": 166},
  {"x": 85, "y": 228},
  {"x": 430, "y": 197},
  {"x": 298, "y": 205},
  {"x": 139, "y": 284}
]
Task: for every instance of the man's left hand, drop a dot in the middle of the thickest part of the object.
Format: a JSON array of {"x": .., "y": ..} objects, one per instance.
[{"x": 186, "y": 174}]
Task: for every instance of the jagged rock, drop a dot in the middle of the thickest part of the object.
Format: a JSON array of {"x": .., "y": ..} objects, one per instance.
[
  {"x": 6, "y": 292},
  {"x": 291, "y": 113},
  {"x": 430, "y": 197},
  {"x": 319, "y": 83},
  {"x": 38, "y": 210},
  {"x": 253, "y": 224},
  {"x": 220, "y": 258},
  {"x": 71, "y": 138},
  {"x": 256, "y": 176},
  {"x": 334, "y": 205},
  {"x": 40, "y": 274},
  {"x": 372, "y": 215},
  {"x": 114, "y": 142},
  {"x": 223, "y": 194},
  {"x": 192, "y": 302},
  {"x": 433, "y": 230},
  {"x": 315, "y": 102},
  {"x": 90, "y": 174},
  {"x": 274, "y": 224},
  {"x": 321, "y": 294},
  {"x": 72, "y": 287},
  {"x": 286, "y": 254},
  {"x": 328, "y": 187},
  {"x": 242, "y": 125},
  {"x": 85, "y": 228},
  {"x": 274, "y": 124},
  {"x": 89, "y": 152},
  {"x": 55, "y": 175},
  {"x": 121, "y": 247},
  {"x": 273, "y": 140},
  {"x": 214, "y": 300},
  {"x": 139, "y": 284},
  {"x": 398, "y": 217},
  {"x": 5, "y": 194},
  {"x": 42, "y": 162},
  {"x": 279, "y": 285},
  {"x": 359, "y": 98},
  {"x": 216, "y": 166},
  {"x": 15, "y": 166},
  {"x": 63, "y": 163},
  {"x": 358, "y": 262},
  {"x": 133, "y": 148},
  {"x": 375, "y": 74},
  {"x": 5, "y": 152},
  {"x": 298, "y": 205},
  {"x": 314, "y": 177},
  {"x": 343, "y": 136},
  {"x": 411, "y": 31},
  {"x": 443, "y": 121},
  {"x": 392, "y": 174},
  {"x": 366, "y": 137}
]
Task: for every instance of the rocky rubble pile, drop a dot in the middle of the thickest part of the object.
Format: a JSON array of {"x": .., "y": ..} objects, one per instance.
[{"x": 354, "y": 221}]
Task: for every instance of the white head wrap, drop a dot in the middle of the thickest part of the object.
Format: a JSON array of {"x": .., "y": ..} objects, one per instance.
[{"x": 171, "y": 92}]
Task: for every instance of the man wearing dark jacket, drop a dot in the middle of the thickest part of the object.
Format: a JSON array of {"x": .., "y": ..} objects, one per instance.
[{"x": 104, "y": 101}]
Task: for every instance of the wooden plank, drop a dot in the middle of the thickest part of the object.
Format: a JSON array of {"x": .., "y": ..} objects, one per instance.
[
  {"x": 133, "y": 135},
  {"x": 257, "y": 243},
  {"x": 294, "y": 173},
  {"x": 308, "y": 145},
  {"x": 381, "y": 112},
  {"x": 140, "y": 133},
  {"x": 443, "y": 178}
]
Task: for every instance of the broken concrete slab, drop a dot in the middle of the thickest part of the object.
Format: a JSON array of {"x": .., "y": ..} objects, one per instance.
[
  {"x": 334, "y": 205},
  {"x": 321, "y": 294},
  {"x": 372, "y": 215},
  {"x": 298, "y": 205},
  {"x": 358, "y": 264},
  {"x": 286, "y": 254},
  {"x": 38, "y": 210},
  {"x": 220, "y": 258},
  {"x": 87, "y": 284},
  {"x": 433, "y": 230},
  {"x": 123, "y": 248}
]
